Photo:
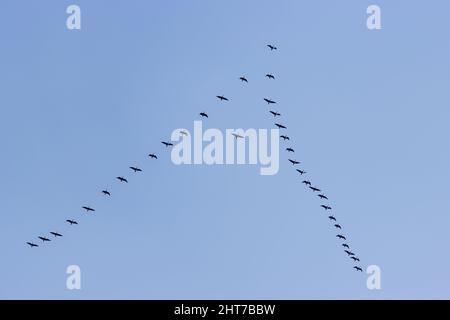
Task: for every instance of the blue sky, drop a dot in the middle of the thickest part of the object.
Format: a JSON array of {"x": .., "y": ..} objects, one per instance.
[{"x": 367, "y": 112}]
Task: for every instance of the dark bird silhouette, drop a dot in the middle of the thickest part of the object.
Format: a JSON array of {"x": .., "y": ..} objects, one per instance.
[
  {"x": 122, "y": 179},
  {"x": 153, "y": 156},
  {"x": 222, "y": 98},
  {"x": 332, "y": 218},
  {"x": 275, "y": 114},
  {"x": 341, "y": 237},
  {"x": 136, "y": 169},
  {"x": 167, "y": 144},
  {"x": 272, "y": 47},
  {"x": 71, "y": 221},
  {"x": 294, "y": 162},
  {"x": 243, "y": 79},
  {"x": 106, "y": 193},
  {"x": 354, "y": 258},
  {"x": 44, "y": 239},
  {"x": 280, "y": 126},
  {"x": 290, "y": 150},
  {"x": 338, "y": 226},
  {"x": 203, "y": 114},
  {"x": 31, "y": 244},
  {"x": 322, "y": 196},
  {"x": 284, "y": 137},
  {"x": 301, "y": 172},
  {"x": 325, "y": 207},
  {"x": 314, "y": 189},
  {"x": 357, "y": 268},
  {"x": 270, "y": 76},
  {"x": 56, "y": 234},
  {"x": 88, "y": 209},
  {"x": 349, "y": 253},
  {"x": 269, "y": 101},
  {"x": 306, "y": 182},
  {"x": 345, "y": 245}
]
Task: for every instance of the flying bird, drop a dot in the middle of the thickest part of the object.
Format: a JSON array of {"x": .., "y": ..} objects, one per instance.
[
  {"x": 357, "y": 268},
  {"x": 44, "y": 239},
  {"x": 136, "y": 169},
  {"x": 106, "y": 193},
  {"x": 31, "y": 244},
  {"x": 71, "y": 221},
  {"x": 269, "y": 101},
  {"x": 301, "y": 172},
  {"x": 325, "y": 207},
  {"x": 314, "y": 189},
  {"x": 290, "y": 150},
  {"x": 354, "y": 258},
  {"x": 280, "y": 126},
  {"x": 122, "y": 179},
  {"x": 222, "y": 98},
  {"x": 341, "y": 237},
  {"x": 184, "y": 133},
  {"x": 203, "y": 114},
  {"x": 349, "y": 253},
  {"x": 294, "y": 162},
  {"x": 153, "y": 156},
  {"x": 88, "y": 209},
  {"x": 332, "y": 218},
  {"x": 284, "y": 137},
  {"x": 275, "y": 114},
  {"x": 270, "y": 76},
  {"x": 322, "y": 196},
  {"x": 243, "y": 79},
  {"x": 237, "y": 136},
  {"x": 338, "y": 226},
  {"x": 272, "y": 47},
  {"x": 56, "y": 234},
  {"x": 167, "y": 144},
  {"x": 306, "y": 182},
  {"x": 345, "y": 245}
]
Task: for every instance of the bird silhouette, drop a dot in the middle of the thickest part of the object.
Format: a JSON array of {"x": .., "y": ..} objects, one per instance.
[
  {"x": 314, "y": 189},
  {"x": 243, "y": 79},
  {"x": 306, "y": 182},
  {"x": 106, "y": 193},
  {"x": 341, "y": 237},
  {"x": 326, "y": 207},
  {"x": 72, "y": 222},
  {"x": 284, "y": 137},
  {"x": 31, "y": 244},
  {"x": 349, "y": 253},
  {"x": 294, "y": 162},
  {"x": 88, "y": 209},
  {"x": 290, "y": 150},
  {"x": 44, "y": 239},
  {"x": 167, "y": 144},
  {"x": 269, "y": 101},
  {"x": 122, "y": 179},
  {"x": 270, "y": 76},
  {"x": 272, "y": 47},
  {"x": 322, "y": 196},
  {"x": 136, "y": 169},
  {"x": 357, "y": 268},
  {"x": 301, "y": 172},
  {"x": 236, "y": 136},
  {"x": 332, "y": 218},
  {"x": 345, "y": 245},
  {"x": 280, "y": 126},
  {"x": 153, "y": 156},
  {"x": 56, "y": 234},
  {"x": 354, "y": 258},
  {"x": 338, "y": 226},
  {"x": 222, "y": 98},
  {"x": 203, "y": 114},
  {"x": 275, "y": 114}
]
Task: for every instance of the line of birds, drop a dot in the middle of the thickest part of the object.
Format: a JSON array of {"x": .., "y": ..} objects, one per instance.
[{"x": 289, "y": 150}]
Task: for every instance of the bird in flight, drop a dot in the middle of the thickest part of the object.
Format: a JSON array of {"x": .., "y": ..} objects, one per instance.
[
  {"x": 280, "y": 126},
  {"x": 31, "y": 244},
  {"x": 325, "y": 207},
  {"x": 71, "y": 221},
  {"x": 243, "y": 79},
  {"x": 203, "y": 114},
  {"x": 88, "y": 209},
  {"x": 136, "y": 169},
  {"x": 44, "y": 239},
  {"x": 354, "y": 258},
  {"x": 332, "y": 218},
  {"x": 341, "y": 237},
  {"x": 345, "y": 245},
  {"x": 167, "y": 144},
  {"x": 270, "y": 76},
  {"x": 301, "y": 172},
  {"x": 56, "y": 234},
  {"x": 106, "y": 193},
  {"x": 349, "y": 253},
  {"x": 322, "y": 196},
  {"x": 275, "y": 113},
  {"x": 290, "y": 150},
  {"x": 222, "y": 98},
  {"x": 294, "y": 162},
  {"x": 153, "y": 156},
  {"x": 284, "y": 137},
  {"x": 122, "y": 179},
  {"x": 306, "y": 182},
  {"x": 314, "y": 189},
  {"x": 338, "y": 226},
  {"x": 272, "y": 47},
  {"x": 269, "y": 101},
  {"x": 357, "y": 268},
  {"x": 237, "y": 136},
  {"x": 184, "y": 133}
]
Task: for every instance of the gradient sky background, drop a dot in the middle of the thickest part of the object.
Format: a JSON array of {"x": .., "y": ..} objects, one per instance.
[{"x": 367, "y": 112}]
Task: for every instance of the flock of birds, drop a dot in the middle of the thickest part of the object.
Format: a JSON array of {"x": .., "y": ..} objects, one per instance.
[{"x": 289, "y": 150}]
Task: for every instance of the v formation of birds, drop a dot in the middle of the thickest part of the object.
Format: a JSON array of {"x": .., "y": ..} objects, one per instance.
[{"x": 333, "y": 220}]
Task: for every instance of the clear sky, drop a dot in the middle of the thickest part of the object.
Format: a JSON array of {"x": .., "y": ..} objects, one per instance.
[{"x": 367, "y": 112}]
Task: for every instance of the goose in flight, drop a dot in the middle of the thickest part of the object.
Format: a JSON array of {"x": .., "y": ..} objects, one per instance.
[
  {"x": 301, "y": 172},
  {"x": 88, "y": 209},
  {"x": 184, "y": 133},
  {"x": 71, "y": 221},
  {"x": 243, "y": 79},
  {"x": 357, "y": 268},
  {"x": 325, "y": 207},
  {"x": 290, "y": 150},
  {"x": 222, "y": 98},
  {"x": 294, "y": 162},
  {"x": 332, "y": 218},
  {"x": 167, "y": 144},
  {"x": 322, "y": 196},
  {"x": 153, "y": 156},
  {"x": 270, "y": 76},
  {"x": 136, "y": 169},
  {"x": 31, "y": 244},
  {"x": 122, "y": 179},
  {"x": 44, "y": 239},
  {"x": 237, "y": 136},
  {"x": 345, "y": 245},
  {"x": 275, "y": 114},
  {"x": 284, "y": 137},
  {"x": 349, "y": 253},
  {"x": 106, "y": 193},
  {"x": 354, "y": 258},
  {"x": 203, "y": 115},
  {"x": 56, "y": 234},
  {"x": 338, "y": 226},
  {"x": 280, "y": 126},
  {"x": 341, "y": 237},
  {"x": 269, "y": 101},
  {"x": 314, "y": 189},
  {"x": 306, "y": 182},
  {"x": 272, "y": 47}
]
